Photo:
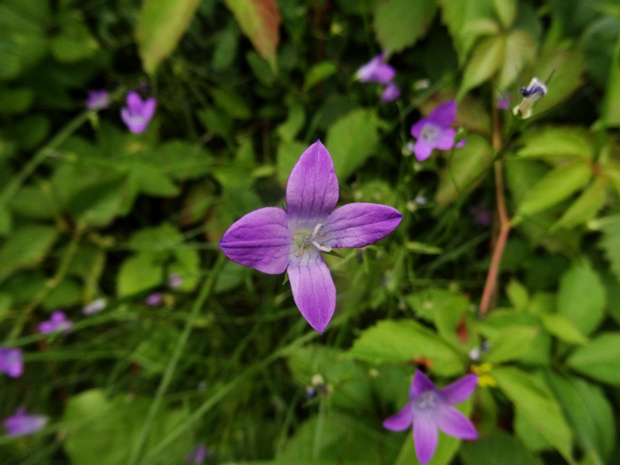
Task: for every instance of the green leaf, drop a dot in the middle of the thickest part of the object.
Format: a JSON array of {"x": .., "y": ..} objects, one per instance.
[
  {"x": 510, "y": 343},
  {"x": 558, "y": 142},
  {"x": 465, "y": 169},
  {"x": 517, "y": 294},
  {"x": 497, "y": 448},
  {"x": 352, "y": 140},
  {"x": 401, "y": 341},
  {"x": 581, "y": 296},
  {"x": 232, "y": 103},
  {"x": 485, "y": 60},
  {"x": 151, "y": 181},
  {"x": 319, "y": 73},
  {"x": 74, "y": 42},
  {"x": 26, "y": 247},
  {"x": 600, "y": 359},
  {"x": 587, "y": 205},
  {"x": 610, "y": 242},
  {"x": 557, "y": 185},
  {"x": 590, "y": 414},
  {"x": 260, "y": 21},
  {"x": 161, "y": 24},
  {"x": 6, "y": 222},
  {"x": 535, "y": 401},
  {"x": 506, "y": 11},
  {"x": 138, "y": 274},
  {"x": 397, "y": 28},
  {"x": 99, "y": 204},
  {"x": 293, "y": 124},
  {"x": 563, "y": 328},
  {"x": 519, "y": 50}
]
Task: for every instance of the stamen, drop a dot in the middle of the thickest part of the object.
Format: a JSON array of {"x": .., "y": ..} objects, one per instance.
[{"x": 313, "y": 241}]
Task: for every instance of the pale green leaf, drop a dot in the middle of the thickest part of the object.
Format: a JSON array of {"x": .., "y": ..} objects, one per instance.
[
  {"x": 510, "y": 343},
  {"x": 506, "y": 11},
  {"x": 557, "y": 142},
  {"x": 563, "y": 328},
  {"x": 517, "y": 294},
  {"x": 161, "y": 24},
  {"x": 319, "y": 73},
  {"x": 519, "y": 50},
  {"x": 485, "y": 60},
  {"x": 400, "y": 23},
  {"x": 587, "y": 205},
  {"x": 26, "y": 247},
  {"x": 610, "y": 242},
  {"x": 600, "y": 359},
  {"x": 138, "y": 274}
]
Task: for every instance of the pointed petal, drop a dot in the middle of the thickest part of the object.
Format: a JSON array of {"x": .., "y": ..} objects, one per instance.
[
  {"x": 134, "y": 102},
  {"x": 376, "y": 71},
  {"x": 425, "y": 437},
  {"x": 261, "y": 240},
  {"x": 401, "y": 421},
  {"x": 444, "y": 114},
  {"x": 445, "y": 139},
  {"x": 312, "y": 188},
  {"x": 314, "y": 292},
  {"x": 390, "y": 93},
  {"x": 360, "y": 224},
  {"x": 452, "y": 422},
  {"x": 416, "y": 129},
  {"x": 148, "y": 109},
  {"x": 420, "y": 384},
  {"x": 460, "y": 390},
  {"x": 422, "y": 149}
]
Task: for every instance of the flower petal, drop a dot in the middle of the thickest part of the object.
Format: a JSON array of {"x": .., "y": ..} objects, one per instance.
[
  {"x": 445, "y": 140},
  {"x": 425, "y": 437},
  {"x": 148, "y": 109},
  {"x": 134, "y": 102},
  {"x": 416, "y": 129},
  {"x": 261, "y": 240},
  {"x": 401, "y": 421},
  {"x": 314, "y": 292},
  {"x": 422, "y": 149},
  {"x": 312, "y": 188},
  {"x": 376, "y": 71},
  {"x": 360, "y": 224},
  {"x": 420, "y": 384},
  {"x": 460, "y": 390},
  {"x": 390, "y": 93},
  {"x": 444, "y": 114},
  {"x": 452, "y": 422}
]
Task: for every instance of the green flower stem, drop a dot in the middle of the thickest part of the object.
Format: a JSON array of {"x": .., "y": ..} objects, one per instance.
[{"x": 204, "y": 295}]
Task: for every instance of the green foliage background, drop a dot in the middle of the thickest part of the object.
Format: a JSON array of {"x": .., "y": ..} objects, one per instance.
[{"x": 89, "y": 210}]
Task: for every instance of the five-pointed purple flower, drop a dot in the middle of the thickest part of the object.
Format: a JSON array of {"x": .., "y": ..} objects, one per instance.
[
  {"x": 11, "y": 362},
  {"x": 434, "y": 132},
  {"x": 273, "y": 240},
  {"x": 57, "y": 322},
  {"x": 430, "y": 409},
  {"x": 98, "y": 99},
  {"x": 21, "y": 423},
  {"x": 138, "y": 113}
]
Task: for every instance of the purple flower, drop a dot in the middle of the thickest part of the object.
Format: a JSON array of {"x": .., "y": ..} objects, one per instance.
[
  {"x": 273, "y": 240},
  {"x": 154, "y": 300},
  {"x": 503, "y": 104},
  {"x": 390, "y": 93},
  {"x": 376, "y": 70},
  {"x": 198, "y": 455},
  {"x": 174, "y": 281},
  {"x": 58, "y": 322},
  {"x": 21, "y": 424},
  {"x": 138, "y": 113},
  {"x": 430, "y": 409},
  {"x": 11, "y": 362},
  {"x": 434, "y": 132},
  {"x": 98, "y": 99},
  {"x": 94, "y": 307},
  {"x": 535, "y": 90}
]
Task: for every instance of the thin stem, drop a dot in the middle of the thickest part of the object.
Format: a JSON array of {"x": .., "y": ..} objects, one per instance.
[{"x": 205, "y": 292}]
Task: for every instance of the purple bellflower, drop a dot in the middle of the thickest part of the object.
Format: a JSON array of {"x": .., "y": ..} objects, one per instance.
[
  {"x": 430, "y": 409},
  {"x": 21, "y": 423},
  {"x": 155, "y": 299},
  {"x": 138, "y": 113},
  {"x": 390, "y": 93},
  {"x": 273, "y": 240},
  {"x": 98, "y": 99},
  {"x": 376, "y": 70},
  {"x": 11, "y": 362},
  {"x": 434, "y": 132},
  {"x": 535, "y": 90},
  {"x": 57, "y": 322}
]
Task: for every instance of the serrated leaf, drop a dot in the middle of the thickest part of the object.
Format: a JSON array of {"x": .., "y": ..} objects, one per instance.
[
  {"x": 610, "y": 242},
  {"x": 506, "y": 11},
  {"x": 510, "y": 343},
  {"x": 558, "y": 142},
  {"x": 581, "y": 296},
  {"x": 260, "y": 21},
  {"x": 352, "y": 140},
  {"x": 563, "y": 328},
  {"x": 535, "y": 401},
  {"x": 485, "y": 60},
  {"x": 396, "y": 27},
  {"x": 401, "y": 341},
  {"x": 556, "y": 186},
  {"x": 161, "y": 24},
  {"x": 600, "y": 359}
]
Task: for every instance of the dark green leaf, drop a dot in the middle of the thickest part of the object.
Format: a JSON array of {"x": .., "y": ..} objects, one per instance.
[{"x": 600, "y": 359}]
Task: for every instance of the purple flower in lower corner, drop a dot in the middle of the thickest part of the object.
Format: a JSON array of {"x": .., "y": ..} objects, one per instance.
[
  {"x": 138, "y": 113},
  {"x": 273, "y": 240},
  {"x": 376, "y": 70},
  {"x": 198, "y": 455},
  {"x": 21, "y": 423},
  {"x": 57, "y": 322},
  {"x": 434, "y": 132},
  {"x": 430, "y": 409},
  {"x": 11, "y": 362},
  {"x": 98, "y": 99}
]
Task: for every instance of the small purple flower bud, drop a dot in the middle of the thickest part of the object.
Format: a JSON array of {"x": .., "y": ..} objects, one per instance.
[
  {"x": 376, "y": 70},
  {"x": 138, "y": 113},
  {"x": 11, "y": 362},
  {"x": 22, "y": 424},
  {"x": 155, "y": 299},
  {"x": 98, "y": 99},
  {"x": 57, "y": 322},
  {"x": 390, "y": 93}
]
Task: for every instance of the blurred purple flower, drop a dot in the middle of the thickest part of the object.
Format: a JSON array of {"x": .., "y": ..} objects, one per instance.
[
  {"x": 174, "y": 281},
  {"x": 503, "y": 104},
  {"x": 434, "y": 132},
  {"x": 273, "y": 240},
  {"x": 98, "y": 99},
  {"x": 138, "y": 113},
  {"x": 198, "y": 455},
  {"x": 11, "y": 362},
  {"x": 94, "y": 307},
  {"x": 430, "y": 409},
  {"x": 376, "y": 70},
  {"x": 58, "y": 322},
  {"x": 536, "y": 89},
  {"x": 390, "y": 93},
  {"x": 155, "y": 299},
  {"x": 21, "y": 424},
  {"x": 482, "y": 214}
]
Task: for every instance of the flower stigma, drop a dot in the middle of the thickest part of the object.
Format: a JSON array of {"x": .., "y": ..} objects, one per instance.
[
  {"x": 303, "y": 239},
  {"x": 426, "y": 400}
]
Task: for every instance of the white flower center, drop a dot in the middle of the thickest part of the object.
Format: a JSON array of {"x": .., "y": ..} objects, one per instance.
[
  {"x": 303, "y": 239},
  {"x": 430, "y": 133},
  {"x": 426, "y": 400}
]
